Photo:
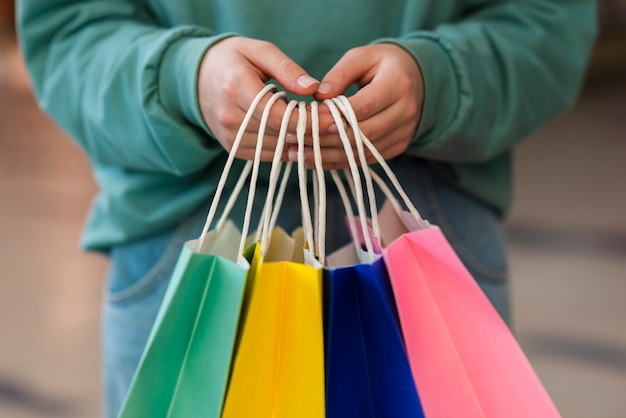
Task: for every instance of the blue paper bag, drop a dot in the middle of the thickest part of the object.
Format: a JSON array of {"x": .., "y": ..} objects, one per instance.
[{"x": 367, "y": 369}]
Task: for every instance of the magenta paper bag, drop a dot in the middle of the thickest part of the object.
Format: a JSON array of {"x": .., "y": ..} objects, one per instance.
[{"x": 465, "y": 360}]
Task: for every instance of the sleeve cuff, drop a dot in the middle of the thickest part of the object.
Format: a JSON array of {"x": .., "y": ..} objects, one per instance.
[{"x": 178, "y": 76}]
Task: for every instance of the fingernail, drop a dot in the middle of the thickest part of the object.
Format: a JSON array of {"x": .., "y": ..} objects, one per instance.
[
  {"x": 291, "y": 138},
  {"x": 293, "y": 155},
  {"x": 333, "y": 129},
  {"x": 306, "y": 81},
  {"x": 324, "y": 88}
]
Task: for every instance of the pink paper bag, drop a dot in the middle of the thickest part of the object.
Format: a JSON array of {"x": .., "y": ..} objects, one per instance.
[{"x": 465, "y": 360}]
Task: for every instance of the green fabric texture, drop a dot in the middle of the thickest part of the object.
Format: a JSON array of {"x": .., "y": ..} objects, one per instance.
[{"x": 120, "y": 78}]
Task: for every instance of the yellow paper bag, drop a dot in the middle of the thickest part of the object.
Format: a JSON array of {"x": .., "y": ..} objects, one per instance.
[{"x": 279, "y": 365}]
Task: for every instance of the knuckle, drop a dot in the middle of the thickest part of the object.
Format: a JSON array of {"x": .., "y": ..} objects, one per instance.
[
  {"x": 363, "y": 110},
  {"x": 411, "y": 109},
  {"x": 226, "y": 118},
  {"x": 263, "y": 46},
  {"x": 404, "y": 81},
  {"x": 287, "y": 66},
  {"x": 336, "y": 74},
  {"x": 230, "y": 89},
  {"x": 354, "y": 52}
]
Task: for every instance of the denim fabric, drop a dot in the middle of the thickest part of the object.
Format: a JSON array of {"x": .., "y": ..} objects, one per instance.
[{"x": 139, "y": 271}]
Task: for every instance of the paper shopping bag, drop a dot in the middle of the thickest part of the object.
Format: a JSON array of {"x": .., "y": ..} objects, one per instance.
[
  {"x": 367, "y": 368},
  {"x": 278, "y": 369},
  {"x": 464, "y": 358},
  {"x": 184, "y": 369}
]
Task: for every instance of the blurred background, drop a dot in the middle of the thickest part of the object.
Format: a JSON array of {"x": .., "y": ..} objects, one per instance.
[{"x": 566, "y": 237}]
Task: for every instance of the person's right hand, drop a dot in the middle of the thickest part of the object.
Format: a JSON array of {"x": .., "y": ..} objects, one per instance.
[{"x": 232, "y": 73}]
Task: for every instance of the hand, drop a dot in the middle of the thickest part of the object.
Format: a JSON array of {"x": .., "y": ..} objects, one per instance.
[
  {"x": 232, "y": 72},
  {"x": 388, "y": 105}
]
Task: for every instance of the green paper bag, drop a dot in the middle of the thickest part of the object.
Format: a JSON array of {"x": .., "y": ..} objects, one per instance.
[
  {"x": 184, "y": 370},
  {"x": 185, "y": 366}
]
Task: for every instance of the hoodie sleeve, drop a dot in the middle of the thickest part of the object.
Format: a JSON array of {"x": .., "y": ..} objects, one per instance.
[
  {"x": 498, "y": 73},
  {"x": 121, "y": 85}
]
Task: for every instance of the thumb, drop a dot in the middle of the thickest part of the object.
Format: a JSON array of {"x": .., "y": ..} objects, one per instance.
[
  {"x": 268, "y": 58},
  {"x": 353, "y": 67}
]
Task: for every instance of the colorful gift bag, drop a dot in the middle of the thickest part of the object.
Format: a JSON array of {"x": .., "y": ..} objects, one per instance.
[
  {"x": 192, "y": 340},
  {"x": 279, "y": 365},
  {"x": 185, "y": 366},
  {"x": 464, "y": 359},
  {"x": 367, "y": 368}
]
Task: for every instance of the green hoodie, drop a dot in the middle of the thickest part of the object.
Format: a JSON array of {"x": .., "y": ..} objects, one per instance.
[{"x": 119, "y": 77}]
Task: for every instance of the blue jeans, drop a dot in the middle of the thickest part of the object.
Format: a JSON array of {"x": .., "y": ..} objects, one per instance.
[{"x": 139, "y": 271}]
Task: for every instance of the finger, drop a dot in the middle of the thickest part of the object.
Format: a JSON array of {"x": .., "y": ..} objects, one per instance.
[
  {"x": 250, "y": 141},
  {"x": 397, "y": 123},
  {"x": 336, "y": 157},
  {"x": 265, "y": 156},
  {"x": 239, "y": 91},
  {"x": 327, "y": 122},
  {"x": 275, "y": 117},
  {"x": 373, "y": 99},
  {"x": 392, "y": 144},
  {"x": 277, "y": 65},
  {"x": 241, "y": 88},
  {"x": 384, "y": 122},
  {"x": 330, "y": 155},
  {"x": 390, "y": 86},
  {"x": 326, "y": 141},
  {"x": 354, "y": 66}
]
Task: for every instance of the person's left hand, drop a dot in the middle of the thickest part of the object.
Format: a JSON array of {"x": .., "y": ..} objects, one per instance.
[{"x": 388, "y": 105}]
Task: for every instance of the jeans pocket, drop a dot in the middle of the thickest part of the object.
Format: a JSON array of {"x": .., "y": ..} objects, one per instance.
[{"x": 139, "y": 267}]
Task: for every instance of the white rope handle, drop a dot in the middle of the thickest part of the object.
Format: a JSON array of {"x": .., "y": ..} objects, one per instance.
[
  {"x": 351, "y": 118},
  {"x": 229, "y": 162},
  {"x": 255, "y": 168},
  {"x": 387, "y": 192},
  {"x": 307, "y": 223},
  {"x": 355, "y": 176},
  {"x": 280, "y": 195},
  {"x": 235, "y": 194},
  {"x": 316, "y": 213},
  {"x": 273, "y": 180},
  {"x": 320, "y": 185},
  {"x": 381, "y": 161},
  {"x": 348, "y": 208},
  {"x": 348, "y": 175}
]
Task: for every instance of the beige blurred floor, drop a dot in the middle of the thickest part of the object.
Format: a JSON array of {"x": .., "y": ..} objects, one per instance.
[{"x": 567, "y": 237}]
